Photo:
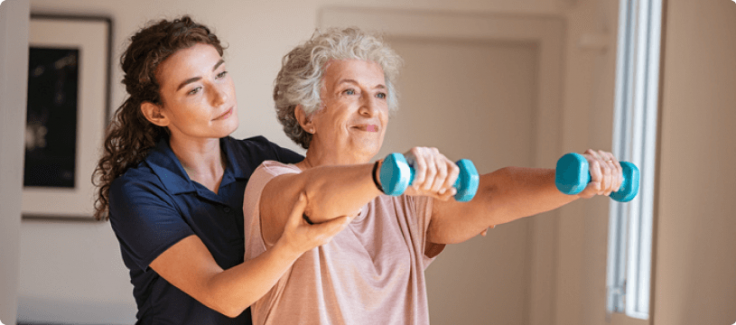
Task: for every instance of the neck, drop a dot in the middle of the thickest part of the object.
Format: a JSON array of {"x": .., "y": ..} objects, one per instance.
[
  {"x": 201, "y": 158},
  {"x": 318, "y": 156}
]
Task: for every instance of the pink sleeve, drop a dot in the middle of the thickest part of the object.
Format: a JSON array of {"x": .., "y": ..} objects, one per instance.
[
  {"x": 254, "y": 243},
  {"x": 422, "y": 208}
]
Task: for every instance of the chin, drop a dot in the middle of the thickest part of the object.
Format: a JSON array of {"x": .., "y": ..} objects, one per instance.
[
  {"x": 369, "y": 152},
  {"x": 229, "y": 129}
]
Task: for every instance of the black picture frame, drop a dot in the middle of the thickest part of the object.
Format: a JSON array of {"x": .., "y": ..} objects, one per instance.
[{"x": 65, "y": 130}]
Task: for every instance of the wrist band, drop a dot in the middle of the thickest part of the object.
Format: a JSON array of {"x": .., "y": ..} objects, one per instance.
[{"x": 375, "y": 180}]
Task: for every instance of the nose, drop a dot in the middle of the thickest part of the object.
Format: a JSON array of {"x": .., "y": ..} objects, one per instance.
[
  {"x": 369, "y": 106},
  {"x": 218, "y": 95}
]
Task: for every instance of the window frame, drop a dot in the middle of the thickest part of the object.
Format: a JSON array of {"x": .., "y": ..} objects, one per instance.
[{"x": 628, "y": 279}]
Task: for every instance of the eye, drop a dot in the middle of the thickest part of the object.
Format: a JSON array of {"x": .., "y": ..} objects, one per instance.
[
  {"x": 349, "y": 92},
  {"x": 194, "y": 91},
  {"x": 221, "y": 75},
  {"x": 381, "y": 95}
]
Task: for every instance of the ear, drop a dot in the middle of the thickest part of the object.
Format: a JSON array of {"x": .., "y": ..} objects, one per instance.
[
  {"x": 305, "y": 121},
  {"x": 154, "y": 114}
]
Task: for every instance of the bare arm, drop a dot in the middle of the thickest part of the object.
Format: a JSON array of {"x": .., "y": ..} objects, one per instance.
[
  {"x": 503, "y": 196},
  {"x": 189, "y": 266},
  {"x": 512, "y": 193},
  {"x": 331, "y": 192},
  {"x": 340, "y": 191}
]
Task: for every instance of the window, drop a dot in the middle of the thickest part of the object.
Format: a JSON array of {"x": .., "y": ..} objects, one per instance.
[{"x": 634, "y": 140}]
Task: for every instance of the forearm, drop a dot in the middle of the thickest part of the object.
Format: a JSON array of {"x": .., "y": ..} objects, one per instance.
[
  {"x": 505, "y": 195},
  {"x": 517, "y": 192},
  {"x": 235, "y": 289}
]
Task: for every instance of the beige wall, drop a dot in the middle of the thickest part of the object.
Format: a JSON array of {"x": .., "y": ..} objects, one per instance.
[
  {"x": 13, "y": 71},
  {"x": 695, "y": 279},
  {"x": 88, "y": 282},
  {"x": 582, "y": 231},
  {"x": 694, "y": 264},
  {"x": 73, "y": 272}
]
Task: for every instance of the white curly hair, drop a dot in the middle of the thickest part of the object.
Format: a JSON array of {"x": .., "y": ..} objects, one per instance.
[{"x": 300, "y": 80}]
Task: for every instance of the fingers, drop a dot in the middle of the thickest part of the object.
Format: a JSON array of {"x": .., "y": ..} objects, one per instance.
[
  {"x": 485, "y": 231},
  {"x": 612, "y": 168},
  {"x": 415, "y": 158},
  {"x": 605, "y": 173},
  {"x": 434, "y": 174},
  {"x": 441, "y": 174},
  {"x": 453, "y": 173},
  {"x": 325, "y": 231},
  {"x": 302, "y": 236},
  {"x": 296, "y": 217}
]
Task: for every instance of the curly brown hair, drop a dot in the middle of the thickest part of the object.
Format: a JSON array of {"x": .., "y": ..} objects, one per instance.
[{"x": 130, "y": 135}]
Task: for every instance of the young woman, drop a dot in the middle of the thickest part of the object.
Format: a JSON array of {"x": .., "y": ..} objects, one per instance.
[{"x": 171, "y": 181}]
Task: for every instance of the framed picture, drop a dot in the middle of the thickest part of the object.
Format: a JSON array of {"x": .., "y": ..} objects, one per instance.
[{"x": 68, "y": 107}]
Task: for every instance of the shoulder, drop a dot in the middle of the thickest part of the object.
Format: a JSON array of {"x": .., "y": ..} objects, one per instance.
[
  {"x": 270, "y": 169},
  {"x": 137, "y": 188},
  {"x": 266, "y": 172},
  {"x": 257, "y": 149},
  {"x": 140, "y": 177}
]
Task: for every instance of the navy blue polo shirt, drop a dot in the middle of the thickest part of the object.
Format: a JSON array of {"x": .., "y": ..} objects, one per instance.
[{"x": 155, "y": 204}]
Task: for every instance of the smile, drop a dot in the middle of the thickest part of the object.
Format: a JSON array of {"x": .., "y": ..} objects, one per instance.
[
  {"x": 367, "y": 127},
  {"x": 224, "y": 115}
]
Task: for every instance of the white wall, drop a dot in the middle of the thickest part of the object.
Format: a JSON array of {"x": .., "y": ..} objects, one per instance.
[
  {"x": 13, "y": 83},
  {"x": 73, "y": 271}
]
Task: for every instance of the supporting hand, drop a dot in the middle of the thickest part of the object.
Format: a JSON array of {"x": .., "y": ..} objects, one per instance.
[{"x": 299, "y": 236}]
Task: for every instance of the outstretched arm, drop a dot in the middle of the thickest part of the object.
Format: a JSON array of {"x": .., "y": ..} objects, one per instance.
[
  {"x": 338, "y": 191},
  {"x": 511, "y": 193}
]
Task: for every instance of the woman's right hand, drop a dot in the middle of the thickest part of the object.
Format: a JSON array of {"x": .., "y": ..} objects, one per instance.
[
  {"x": 299, "y": 236},
  {"x": 434, "y": 174}
]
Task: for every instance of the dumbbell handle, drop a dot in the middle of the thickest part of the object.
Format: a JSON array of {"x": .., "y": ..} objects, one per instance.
[
  {"x": 397, "y": 175},
  {"x": 573, "y": 175}
]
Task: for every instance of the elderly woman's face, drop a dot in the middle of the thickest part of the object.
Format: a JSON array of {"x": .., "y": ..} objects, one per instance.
[{"x": 355, "y": 114}]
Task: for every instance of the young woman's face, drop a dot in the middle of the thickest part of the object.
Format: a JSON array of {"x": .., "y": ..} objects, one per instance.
[{"x": 198, "y": 94}]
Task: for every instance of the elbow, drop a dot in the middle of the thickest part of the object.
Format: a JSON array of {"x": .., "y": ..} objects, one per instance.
[
  {"x": 234, "y": 313},
  {"x": 230, "y": 311},
  {"x": 224, "y": 304}
]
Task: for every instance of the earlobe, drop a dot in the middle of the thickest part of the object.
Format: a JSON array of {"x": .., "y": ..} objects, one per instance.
[
  {"x": 304, "y": 121},
  {"x": 154, "y": 114}
]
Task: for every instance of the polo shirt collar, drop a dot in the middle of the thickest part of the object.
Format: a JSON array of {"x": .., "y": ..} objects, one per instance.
[
  {"x": 228, "y": 145},
  {"x": 169, "y": 170}
]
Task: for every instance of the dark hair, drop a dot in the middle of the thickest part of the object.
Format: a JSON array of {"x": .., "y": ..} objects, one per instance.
[{"x": 130, "y": 135}]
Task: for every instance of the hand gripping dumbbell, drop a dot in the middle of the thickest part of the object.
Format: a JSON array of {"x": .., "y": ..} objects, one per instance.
[
  {"x": 573, "y": 175},
  {"x": 397, "y": 175}
]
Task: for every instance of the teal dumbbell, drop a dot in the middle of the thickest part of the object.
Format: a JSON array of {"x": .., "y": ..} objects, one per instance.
[
  {"x": 397, "y": 175},
  {"x": 573, "y": 175}
]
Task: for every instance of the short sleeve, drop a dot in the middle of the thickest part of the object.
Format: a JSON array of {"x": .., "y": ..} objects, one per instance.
[
  {"x": 145, "y": 220},
  {"x": 422, "y": 207},
  {"x": 254, "y": 243}
]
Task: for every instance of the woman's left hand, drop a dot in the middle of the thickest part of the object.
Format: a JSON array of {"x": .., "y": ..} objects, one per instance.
[
  {"x": 434, "y": 174},
  {"x": 605, "y": 174}
]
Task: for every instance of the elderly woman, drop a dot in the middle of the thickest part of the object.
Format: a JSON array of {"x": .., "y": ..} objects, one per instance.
[{"x": 333, "y": 95}]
